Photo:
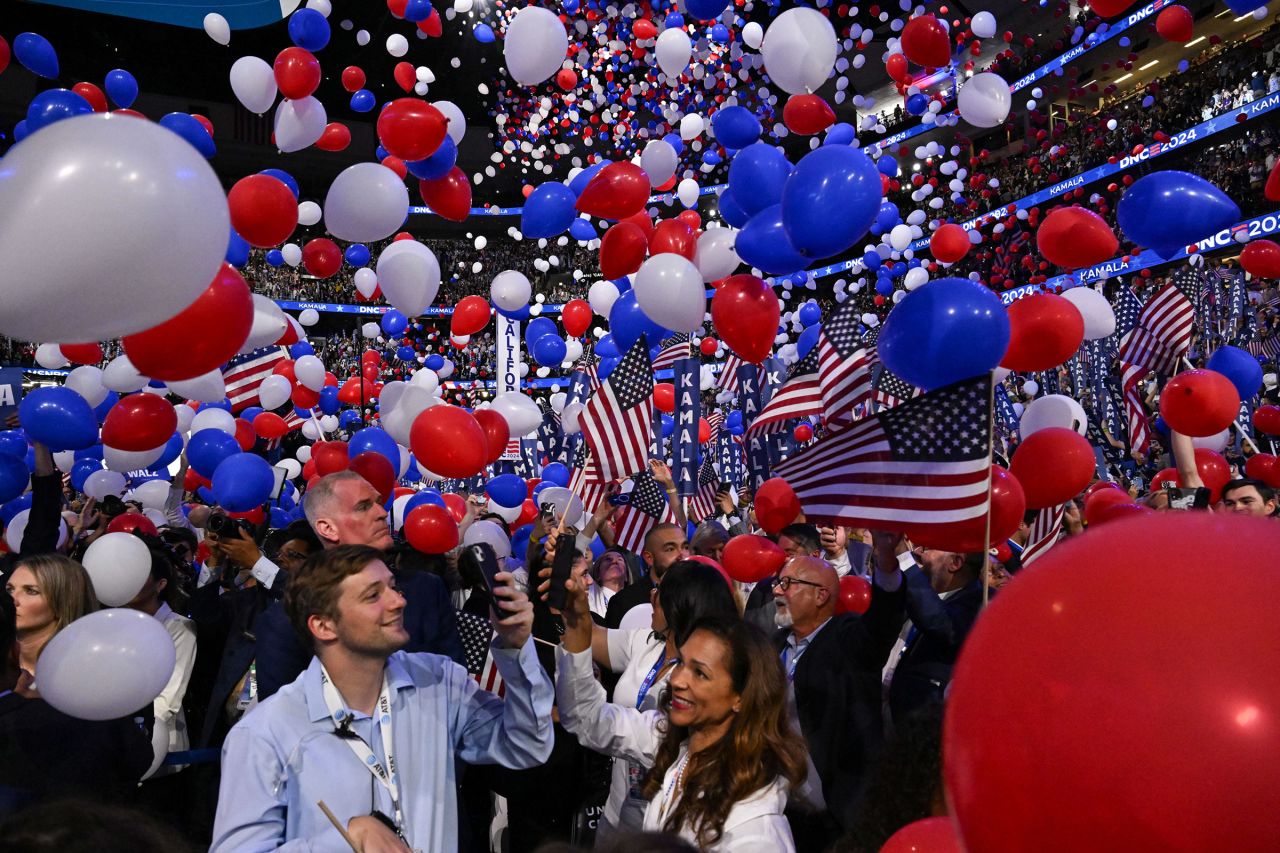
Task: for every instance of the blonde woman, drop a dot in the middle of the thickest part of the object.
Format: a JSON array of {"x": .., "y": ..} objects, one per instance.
[{"x": 49, "y": 592}]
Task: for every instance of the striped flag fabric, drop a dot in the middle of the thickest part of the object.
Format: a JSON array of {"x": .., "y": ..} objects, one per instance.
[
  {"x": 1044, "y": 533},
  {"x": 891, "y": 391},
  {"x": 800, "y": 395},
  {"x": 869, "y": 342},
  {"x": 1162, "y": 333},
  {"x": 673, "y": 349},
  {"x": 587, "y": 365},
  {"x": 646, "y": 506},
  {"x": 586, "y": 482},
  {"x": 243, "y": 375},
  {"x": 728, "y": 378},
  {"x": 715, "y": 420},
  {"x": 924, "y": 463},
  {"x": 1135, "y": 412},
  {"x": 617, "y": 420},
  {"x": 703, "y": 504},
  {"x": 844, "y": 370},
  {"x": 476, "y": 634}
]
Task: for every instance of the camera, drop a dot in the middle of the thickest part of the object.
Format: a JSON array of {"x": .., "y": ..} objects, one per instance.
[{"x": 226, "y": 527}]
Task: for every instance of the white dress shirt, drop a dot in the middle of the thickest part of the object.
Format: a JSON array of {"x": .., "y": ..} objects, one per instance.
[{"x": 170, "y": 731}]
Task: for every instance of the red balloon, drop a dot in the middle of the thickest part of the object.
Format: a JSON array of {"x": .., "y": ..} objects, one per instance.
[
  {"x": 1073, "y": 237},
  {"x": 1214, "y": 471},
  {"x": 269, "y": 425},
  {"x": 330, "y": 457},
  {"x": 949, "y": 243},
  {"x": 1266, "y": 419},
  {"x": 139, "y": 422},
  {"x": 664, "y": 397},
  {"x": 576, "y": 317},
  {"x": 304, "y": 398},
  {"x": 497, "y": 432},
  {"x": 675, "y": 237},
  {"x": 321, "y": 257},
  {"x": 93, "y": 95},
  {"x": 1008, "y": 505},
  {"x": 1264, "y": 467},
  {"x": 297, "y": 73},
  {"x": 405, "y": 76},
  {"x": 1166, "y": 478},
  {"x": 617, "y": 191},
  {"x": 1261, "y": 259},
  {"x": 855, "y": 595},
  {"x": 1175, "y": 24},
  {"x": 449, "y": 196},
  {"x": 745, "y": 313},
  {"x": 1065, "y": 688},
  {"x": 90, "y": 353},
  {"x": 129, "y": 522},
  {"x": 1052, "y": 466},
  {"x": 1044, "y": 331},
  {"x": 1199, "y": 403},
  {"x": 456, "y": 505},
  {"x": 352, "y": 78},
  {"x": 1108, "y": 8},
  {"x": 708, "y": 346},
  {"x": 931, "y": 835},
  {"x": 750, "y": 559},
  {"x": 1272, "y": 188},
  {"x": 566, "y": 79},
  {"x": 1099, "y": 504},
  {"x": 896, "y": 65},
  {"x": 692, "y": 219},
  {"x": 448, "y": 441},
  {"x": 336, "y": 137},
  {"x": 642, "y": 221},
  {"x": 643, "y": 28},
  {"x": 245, "y": 436},
  {"x": 622, "y": 250},
  {"x": 925, "y": 42},
  {"x": 470, "y": 315},
  {"x": 431, "y": 529},
  {"x": 411, "y": 129},
  {"x": 802, "y": 432},
  {"x": 263, "y": 210},
  {"x": 776, "y": 505},
  {"x": 704, "y": 430},
  {"x": 377, "y": 469},
  {"x": 807, "y": 115}
]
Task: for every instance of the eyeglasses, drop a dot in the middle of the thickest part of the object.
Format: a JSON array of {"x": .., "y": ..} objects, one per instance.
[
  {"x": 785, "y": 584},
  {"x": 290, "y": 554}
]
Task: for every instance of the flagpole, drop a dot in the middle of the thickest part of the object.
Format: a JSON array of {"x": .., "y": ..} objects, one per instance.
[
  {"x": 1235, "y": 424},
  {"x": 991, "y": 448}
]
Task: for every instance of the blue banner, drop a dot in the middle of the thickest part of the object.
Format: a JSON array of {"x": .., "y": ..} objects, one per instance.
[
  {"x": 10, "y": 390},
  {"x": 757, "y": 449},
  {"x": 376, "y": 310},
  {"x": 684, "y": 456}
]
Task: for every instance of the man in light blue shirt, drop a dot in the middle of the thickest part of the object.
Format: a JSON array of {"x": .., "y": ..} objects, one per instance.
[{"x": 372, "y": 731}]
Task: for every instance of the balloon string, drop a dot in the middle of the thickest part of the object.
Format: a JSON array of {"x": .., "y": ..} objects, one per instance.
[{"x": 1235, "y": 424}]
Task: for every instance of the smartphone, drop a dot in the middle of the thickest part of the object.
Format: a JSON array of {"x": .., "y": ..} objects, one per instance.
[
  {"x": 278, "y": 486},
  {"x": 1188, "y": 498},
  {"x": 483, "y": 558},
  {"x": 561, "y": 569}
]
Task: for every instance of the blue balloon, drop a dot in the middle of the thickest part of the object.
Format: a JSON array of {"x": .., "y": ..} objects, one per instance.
[
  {"x": 53, "y": 105},
  {"x": 394, "y": 323},
  {"x": 538, "y": 328},
  {"x": 734, "y": 422},
  {"x": 484, "y": 33},
  {"x": 349, "y": 418},
  {"x": 506, "y": 490},
  {"x": 757, "y": 175},
  {"x": 300, "y": 349},
  {"x": 121, "y": 87},
  {"x": 357, "y": 255},
  {"x": 36, "y": 55},
  {"x": 731, "y": 211},
  {"x": 917, "y": 104},
  {"x": 172, "y": 450},
  {"x": 949, "y": 329},
  {"x": 673, "y": 21},
  {"x": 283, "y": 177},
  {"x": 628, "y": 322},
  {"x": 1244, "y": 7},
  {"x": 884, "y": 287},
  {"x": 309, "y": 29},
  {"x": 434, "y": 362},
  {"x": 58, "y": 418},
  {"x": 80, "y": 471},
  {"x": 423, "y": 498},
  {"x": 549, "y": 350},
  {"x": 830, "y": 201},
  {"x": 810, "y": 313},
  {"x": 706, "y": 10},
  {"x": 520, "y": 314},
  {"x": 13, "y": 507},
  {"x": 21, "y": 131},
  {"x": 105, "y": 406},
  {"x": 362, "y": 101},
  {"x": 580, "y": 180},
  {"x": 1168, "y": 211},
  {"x": 555, "y": 473},
  {"x": 275, "y": 258},
  {"x": 406, "y": 353},
  {"x": 607, "y": 347},
  {"x": 250, "y": 413},
  {"x": 674, "y": 140},
  {"x": 438, "y": 164},
  {"x": 237, "y": 250},
  {"x": 605, "y": 367},
  {"x": 186, "y": 126},
  {"x": 735, "y": 127},
  {"x": 887, "y": 166},
  {"x": 719, "y": 33},
  {"x": 243, "y": 481},
  {"x": 13, "y": 442},
  {"x": 520, "y": 540},
  {"x": 548, "y": 211},
  {"x": 888, "y": 216},
  {"x": 763, "y": 242},
  {"x": 375, "y": 440},
  {"x": 1240, "y": 367},
  {"x": 207, "y": 449},
  {"x": 13, "y": 477},
  {"x": 581, "y": 229},
  {"x": 841, "y": 133},
  {"x": 808, "y": 340}
]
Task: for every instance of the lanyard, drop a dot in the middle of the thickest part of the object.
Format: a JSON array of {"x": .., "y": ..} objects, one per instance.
[
  {"x": 650, "y": 678},
  {"x": 342, "y": 719}
]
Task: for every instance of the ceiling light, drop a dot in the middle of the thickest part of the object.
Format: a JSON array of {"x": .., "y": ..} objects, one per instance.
[
  {"x": 1242, "y": 18},
  {"x": 1148, "y": 65},
  {"x": 1125, "y": 77},
  {"x": 1195, "y": 41}
]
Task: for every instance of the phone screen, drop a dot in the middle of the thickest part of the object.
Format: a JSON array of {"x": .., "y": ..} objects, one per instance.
[{"x": 561, "y": 569}]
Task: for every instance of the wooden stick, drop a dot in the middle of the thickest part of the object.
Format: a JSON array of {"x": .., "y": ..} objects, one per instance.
[{"x": 337, "y": 824}]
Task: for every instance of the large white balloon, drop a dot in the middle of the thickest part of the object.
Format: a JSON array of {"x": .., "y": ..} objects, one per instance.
[
  {"x": 799, "y": 50},
  {"x": 1217, "y": 443},
  {"x": 457, "y": 121},
  {"x": 366, "y": 202},
  {"x": 275, "y": 391},
  {"x": 86, "y": 380},
  {"x": 522, "y": 414},
  {"x": 715, "y": 257},
  {"x": 601, "y": 297},
  {"x": 50, "y": 357},
  {"x": 207, "y": 388},
  {"x": 17, "y": 528},
  {"x": 118, "y": 564},
  {"x": 673, "y": 49},
  {"x": 687, "y": 191},
  {"x": 269, "y": 324},
  {"x": 488, "y": 532},
  {"x": 753, "y": 35},
  {"x": 691, "y": 127},
  {"x": 535, "y": 45},
  {"x": 659, "y": 161},
  {"x": 409, "y": 275},
  {"x": 99, "y": 484},
  {"x": 299, "y": 124},
  {"x": 983, "y": 25},
  {"x": 570, "y": 419},
  {"x": 153, "y": 494},
  {"x": 253, "y": 82},
  {"x": 309, "y": 213},
  {"x": 1053, "y": 410},
  {"x": 310, "y": 371},
  {"x": 510, "y": 290},
  {"x": 107, "y": 664},
  {"x": 985, "y": 100},
  {"x": 130, "y": 460},
  {"x": 122, "y": 377},
  {"x": 669, "y": 290},
  {"x": 1099, "y": 318},
  {"x": 219, "y": 419},
  {"x": 366, "y": 282},
  {"x": 217, "y": 28},
  {"x": 150, "y": 223}
]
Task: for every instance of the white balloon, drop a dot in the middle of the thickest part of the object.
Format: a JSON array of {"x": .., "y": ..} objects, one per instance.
[
  {"x": 50, "y": 357},
  {"x": 915, "y": 277},
  {"x": 669, "y": 290},
  {"x": 426, "y": 379},
  {"x": 488, "y": 532},
  {"x": 983, "y": 25},
  {"x": 1216, "y": 443},
  {"x": 292, "y": 254},
  {"x": 1030, "y": 387},
  {"x": 366, "y": 282},
  {"x": 309, "y": 317},
  {"x": 118, "y": 564},
  {"x": 217, "y": 28},
  {"x": 409, "y": 275},
  {"x": 507, "y": 514},
  {"x": 521, "y": 413},
  {"x": 1052, "y": 410},
  {"x": 362, "y": 37},
  {"x": 687, "y": 191},
  {"x": 397, "y": 45},
  {"x": 984, "y": 101},
  {"x": 208, "y": 388},
  {"x": 292, "y": 468},
  {"x": 186, "y": 415},
  {"x": 691, "y": 127},
  {"x": 570, "y": 419},
  {"x": 900, "y": 237},
  {"x": 673, "y": 49},
  {"x": 122, "y": 377},
  {"x": 142, "y": 254},
  {"x": 269, "y": 324},
  {"x": 153, "y": 494},
  {"x": 366, "y": 202},
  {"x": 799, "y": 50},
  {"x": 310, "y": 372},
  {"x": 457, "y": 121},
  {"x": 17, "y": 528},
  {"x": 601, "y": 297},
  {"x": 309, "y": 213},
  {"x": 534, "y": 46},
  {"x": 659, "y": 161},
  {"x": 107, "y": 664},
  {"x": 99, "y": 484},
  {"x": 219, "y": 419},
  {"x": 253, "y": 82},
  {"x": 510, "y": 290},
  {"x": 299, "y": 124},
  {"x": 86, "y": 381},
  {"x": 753, "y": 35},
  {"x": 1099, "y": 318}
]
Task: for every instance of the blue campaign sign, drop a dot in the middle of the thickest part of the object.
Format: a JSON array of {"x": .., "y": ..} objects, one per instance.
[{"x": 10, "y": 390}]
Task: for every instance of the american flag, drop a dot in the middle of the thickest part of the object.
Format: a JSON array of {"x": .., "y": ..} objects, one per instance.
[
  {"x": 926, "y": 462},
  {"x": 617, "y": 420},
  {"x": 1162, "y": 333},
  {"x": 1044, "y": 533},
  {"x": 728, "y": 378},
  {"x": 715, "y": 420},
  {"x": 703, "y": 504},
  {"x": 586, "y": 481},
  {"x": 673, "y": 349},
  {"x": 869, "y": 342},
  {"x": 844, "y": 370},
  {"x": 646, "y": 506},
  {"x": 1127, "y": 307},
  {"x": 476, "y": 634},
  {"x": 244, "y": 374},
  {"x": 1131, "y": 376},
  {"x": 798, "y": 396},
  {"x": 587, "y": 365},
  {"x": 891, "y": 390}
]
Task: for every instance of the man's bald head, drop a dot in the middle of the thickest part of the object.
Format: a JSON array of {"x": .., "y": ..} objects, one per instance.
[{"x": 806, "y": 594}]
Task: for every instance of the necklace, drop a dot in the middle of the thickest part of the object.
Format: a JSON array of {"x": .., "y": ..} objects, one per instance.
[{"x": 674, "y": 788}]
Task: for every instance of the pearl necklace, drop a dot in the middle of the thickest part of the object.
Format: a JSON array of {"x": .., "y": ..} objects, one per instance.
[{"x": 673, "y": 788}]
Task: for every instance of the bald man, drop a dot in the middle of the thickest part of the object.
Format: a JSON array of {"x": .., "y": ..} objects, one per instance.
[{"x": 833, "y": 665}]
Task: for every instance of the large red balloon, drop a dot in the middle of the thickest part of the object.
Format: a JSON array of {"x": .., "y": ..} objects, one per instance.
[
  {"x": 297, "y": 73},
  {"x": 807, "y": 115},
  {"x": 405, "y": 76},
  {"x": 1073, "y": 237},
  {"x": 353, "y": 78},
  {"x": 1099, "y": 505},
  {"x": 750, "y": 559},
  {"x": 431, "y": 529},
  {"x": 1053, "y": 465},
  {"x": 1044, "y": 331},
  {"x": 321, "y": 257},
  {"x": 1266, "y": 419},
  {"x": 931, "y": 835},
  {"x": 1213, "y": 470},
  {"x": 617, "y": 191},
  {"x": 925, "y": 42},
  {"x": 855, "y": 595},
  {"x": 448, "y": 441},
  {"x": 1264, "y": 467},
  {"x": 1086, "y": 710},
  {"x": 90, "y": 353},
  {"x": 377, "y": 469},
  {"x": 330, "y": 457},
  {"x": 622, "y": 250},
  {"x": 201, "y": 337},
  {"x": 1261, "y": 258},
  {"x": 776, "y": 505},
  {"x": 1008, "y": 505},
  {"x": 497, "y": 432},
  {"x": 470, "y": 315},
  {"x": 576, "y": 317},
  {"x": 745, "y": 313},
  {"x": 664, "y": 397},
  {"x": 263, "y": 210},
  {"x": 336, "y": 137},
  {"x": 411, "y": 129},
  {"x": 128, "y": 522},
  {"x": 896, "y": 65},
  {"x": 449, "y": 196},
  {"x": 139, "y": 422},
  {"x": 674, "y": 236},
  {"x": 269, "y": 425},
  {"x": 1199, "y": 403},
  {"x": 949, "y": 243},
  {"x": 1175, "y": 24},
  {"x": 456, "y": 505}
]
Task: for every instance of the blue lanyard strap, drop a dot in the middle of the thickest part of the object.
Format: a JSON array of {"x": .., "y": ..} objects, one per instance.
[{"x": 649, "y": 679}]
